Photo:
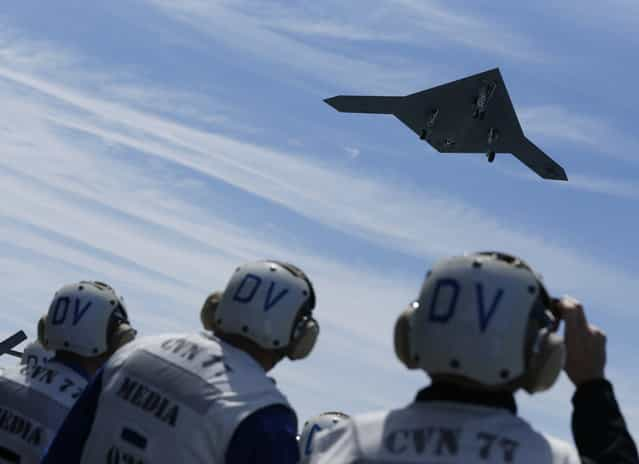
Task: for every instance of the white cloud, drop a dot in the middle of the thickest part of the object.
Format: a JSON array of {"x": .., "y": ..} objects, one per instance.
[
  {"x": 278, "y": 34},
  {"x": 247, "y": 34},
  {"x": 556, "y": 122},
  {"x": 29, "y": 54},
  {"x": 37, "y": 58},
  {"x": 352, "y": 152},
  {"x": 559, "y": 124},
  {"x": 328, "y": 29},
  {"x": 474, "y": 32},
  {"x": 606, "y": 185},
  {"x": 369, "y": 211},
  {"x": 613, "y": 16},
  {"x": 622, "y": 188}
]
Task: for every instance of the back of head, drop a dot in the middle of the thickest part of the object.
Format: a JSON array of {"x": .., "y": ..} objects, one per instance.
[
  {"x": 483, "y": 320},
  {"x": 87, "y": 319},
  {"x": 270, "y": 304}
]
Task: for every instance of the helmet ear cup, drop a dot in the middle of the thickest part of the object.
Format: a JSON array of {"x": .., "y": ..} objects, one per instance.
[
  {"x": 546, "y": 362},
  {"x": 207, "y": 313},
  {"x": 304, "y": 337},
  {"x": 42, "y": 338},
  {"x": 120, "y": 336},
  {"x": 402, "y": 338}
]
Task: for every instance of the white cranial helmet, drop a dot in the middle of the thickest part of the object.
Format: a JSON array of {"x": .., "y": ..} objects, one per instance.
[
  {"x": 88, "y": 319},
  {"x": 484, "y": 317},
  {"x": 325, "y": 421},
  {"x": 270, "y": 303},
  {"x": 35, "y": 355}
]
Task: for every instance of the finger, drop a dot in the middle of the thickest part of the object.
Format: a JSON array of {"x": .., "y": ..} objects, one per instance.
[
  {"x": 573, "y": 314},
  {"x": 571, "y": 301},
  {"x": 555, "y": 309},
  {"x": 597, "y": 332}
]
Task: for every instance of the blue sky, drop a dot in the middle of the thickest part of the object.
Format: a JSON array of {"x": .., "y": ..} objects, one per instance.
[{"x": 156, "y": 144}]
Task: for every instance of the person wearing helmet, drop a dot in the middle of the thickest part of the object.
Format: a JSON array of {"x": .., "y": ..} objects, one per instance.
[
  {"x": 85, "y": 324},
  {"x": 482, "y": 327},
  {"x": 202, "y": 397},
  {"x": 322, "y": 422},
  {"x": 35, "y": 355}
]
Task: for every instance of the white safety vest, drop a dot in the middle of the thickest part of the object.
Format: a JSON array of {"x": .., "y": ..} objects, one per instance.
[
  {"x": 175, "y": 399},
  {"x": 34, "y": 400},
  {"x": 440, "y": 432}
]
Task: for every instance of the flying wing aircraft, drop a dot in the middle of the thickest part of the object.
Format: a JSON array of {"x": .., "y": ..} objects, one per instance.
[
  {"x": 470, "y": 115},
  {"x": 6, "y": 346}
]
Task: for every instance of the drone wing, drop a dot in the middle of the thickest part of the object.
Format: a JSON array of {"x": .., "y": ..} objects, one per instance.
[
  {"x": 469, "y": 115},
  {"x": 529, "y": 154},
  {"x": 364, "y": 104}
]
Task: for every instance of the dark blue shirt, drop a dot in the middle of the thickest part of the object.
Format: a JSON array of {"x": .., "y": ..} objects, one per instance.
[{"x": 266, "y": 436}]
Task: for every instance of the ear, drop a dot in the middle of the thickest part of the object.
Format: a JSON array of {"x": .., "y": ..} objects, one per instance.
[{"x": 402, "y": 339}]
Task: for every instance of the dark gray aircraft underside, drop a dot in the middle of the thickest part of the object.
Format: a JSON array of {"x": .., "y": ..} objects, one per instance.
[{"x": 470, "y": 115}]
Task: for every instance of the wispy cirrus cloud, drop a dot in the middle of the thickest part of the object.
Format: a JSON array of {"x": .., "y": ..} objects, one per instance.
[
  {"x": 608, "y": 16},
  {"x": 556, "y": 122},
  {"x": 473, "y": 31},
  {"x": 618, "y": 187},
  {"x": 352, "y": 152},
  {"x": 284, "y": 35},
  {"x": 39, "y": 58},
  {"x": 304, "y": 187},
  {"x": 597, "y": 136}
]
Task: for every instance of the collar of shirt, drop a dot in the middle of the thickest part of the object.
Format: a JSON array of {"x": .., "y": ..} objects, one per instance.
[{"x": 457, "y": 394}]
